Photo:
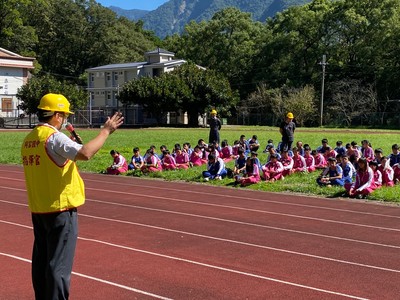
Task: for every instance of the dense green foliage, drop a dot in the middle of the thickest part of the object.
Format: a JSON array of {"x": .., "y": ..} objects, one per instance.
[
  {"x": 67, "y": 37},
  {"x": 124, "y": 140},
  {"x": 359, "y": 38},
  {"x": 186, "y": 89}
]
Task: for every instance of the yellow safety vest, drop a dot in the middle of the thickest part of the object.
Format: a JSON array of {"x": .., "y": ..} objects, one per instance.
[{"x": 51, "y": 188}]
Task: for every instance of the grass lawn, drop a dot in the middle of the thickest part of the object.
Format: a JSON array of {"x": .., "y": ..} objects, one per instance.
[{"x": 124, "y": 140}]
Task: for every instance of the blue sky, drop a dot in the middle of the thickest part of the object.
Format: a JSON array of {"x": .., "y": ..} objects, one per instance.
[{"x": 133, "y": 4}]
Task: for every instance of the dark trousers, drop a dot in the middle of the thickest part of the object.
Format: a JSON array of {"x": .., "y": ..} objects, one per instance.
[{"x": 53, "y": 253}]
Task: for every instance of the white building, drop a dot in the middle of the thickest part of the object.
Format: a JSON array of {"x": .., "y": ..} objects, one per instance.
[
  {"x": 14, "y": 73},
  {"x": 105, "y": 82}
]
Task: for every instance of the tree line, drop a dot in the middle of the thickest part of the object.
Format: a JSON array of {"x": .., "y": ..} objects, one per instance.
[{"x": 269, "y": 66}]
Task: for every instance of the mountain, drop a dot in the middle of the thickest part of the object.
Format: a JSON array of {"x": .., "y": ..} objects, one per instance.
[
  {"x": 172, "y": 16},
  {"x": 131, "y": 14}
]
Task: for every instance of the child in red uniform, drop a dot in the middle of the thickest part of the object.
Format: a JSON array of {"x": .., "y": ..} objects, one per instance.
[
  {"x": 310, "y": 162},
  {"x": 168, "y": 161},
  {"x": 364, "y": 184},
  {"x": 387, "y": 171},
  {"x": 252, "y": 174},
  {"x": 273, "y": 169},
  {"x": 299, "y": 163},
  {"x": 119, "y": 164},
  {"x": 181, "y": 159},
  {"x": 287, "y": 162},
  {"x": 319, "y": 160}
]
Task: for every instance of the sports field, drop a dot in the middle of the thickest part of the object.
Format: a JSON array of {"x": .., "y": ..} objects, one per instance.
[
  {"x": 153, "y": 239},
  {"x": 125, "y": 139}
]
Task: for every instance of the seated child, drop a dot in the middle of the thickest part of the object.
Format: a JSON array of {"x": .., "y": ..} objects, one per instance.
[
  {"x": 181, "y": 159},
  {"x": 136, "y": 160},
  {"x": 340, "y": 149},
  {"x": 253, "y": 143},
  {"x": 386, "y": 171},
  {"x": 119, "y": 164},
  {"x": 364, "y": 183},
  {"x": 152, "y": 162},
  {"x": 252, "y": 174},
  {"x": 299, "y": 163},
  {"x": 331, "y": 175},
  {"x": 168, "y": 161},
  {"x": 348, "y": 169},
  {"x": 319, "y": 160},
  {"x": 240, "y": 163},
  {"x": 287, "y": 162},
  {"x": 196, "y": 157},
  {"x": 215, "y": 168},
  {"x": 226, "y": 151},
  {"x": 273, "y": 169},
  {"x": 310, "y": 162},
  {"x": 377, "y": 174}
]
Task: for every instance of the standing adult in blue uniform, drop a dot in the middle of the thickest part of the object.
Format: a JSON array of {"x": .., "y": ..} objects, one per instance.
[
  {"x": 215, "y": 127},
  {"x": 287, "y": 129}
]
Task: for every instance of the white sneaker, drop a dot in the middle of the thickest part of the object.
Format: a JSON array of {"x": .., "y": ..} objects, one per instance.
[
  {"x": 206, "y": 179},
  {"x": 218, "y": 178}
]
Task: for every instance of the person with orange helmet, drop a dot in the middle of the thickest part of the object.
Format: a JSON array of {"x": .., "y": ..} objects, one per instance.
[
  {"x": 55, "y": 191},
  {"x": 287, "y": 129}
]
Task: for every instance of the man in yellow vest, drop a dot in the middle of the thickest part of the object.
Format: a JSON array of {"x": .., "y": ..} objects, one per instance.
[{"x": 55, "y": 191}]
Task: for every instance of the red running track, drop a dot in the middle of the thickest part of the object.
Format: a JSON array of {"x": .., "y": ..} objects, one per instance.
[{"x": 151, "y": 239}]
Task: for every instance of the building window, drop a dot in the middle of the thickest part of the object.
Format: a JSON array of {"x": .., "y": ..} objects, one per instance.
[{"x": 108, "y": 76}]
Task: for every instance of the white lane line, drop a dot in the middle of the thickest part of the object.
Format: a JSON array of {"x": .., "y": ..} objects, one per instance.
[
  {"x": 246, "y": 223},
  {"x": 233, "y": 197},
  {"x": 222, "y": 269},
  {"x": 245, "y": 244},
  {"x": 234, "y": 222},
  {"x": 131, "y": 289},
  {"x": 182, "y": 260},
  {"x": 247, "y": 209}
]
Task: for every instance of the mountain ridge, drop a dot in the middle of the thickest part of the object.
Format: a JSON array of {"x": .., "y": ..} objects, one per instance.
[{"x": 172, "y": 16}]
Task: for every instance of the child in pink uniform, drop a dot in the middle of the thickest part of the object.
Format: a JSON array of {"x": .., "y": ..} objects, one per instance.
[
  {"x": 364, "y": 184},
  {"x": 252, "y": 175},
  {"x": 196, "y": 157},
  {"x": 152, "y": 163},
  {"x": 226, "y": 151},
  {"x": 287, "y": 162},
  {"x": 181, "y": 159},
  {"x": 377, "y": 174},
  {"x": 119, "y": 164},
  {"x": 319, "y": 160},
  {"x": 168, "y": 161},
  {"x": 387, "y": 172},
  {"x": 310, "y": 162},
  {"x": 273, "y": 169},
  {"x": 299, "y": 163}
]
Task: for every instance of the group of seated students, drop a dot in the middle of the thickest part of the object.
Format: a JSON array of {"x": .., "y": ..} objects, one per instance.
[{"x": 359, "y": 169}]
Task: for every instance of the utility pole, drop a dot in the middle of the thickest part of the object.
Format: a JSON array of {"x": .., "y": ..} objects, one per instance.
[{"x": 323, "y": 63}]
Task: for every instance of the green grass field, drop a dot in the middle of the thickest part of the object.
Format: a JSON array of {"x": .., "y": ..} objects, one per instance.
[{"x": 124, "y": 140}]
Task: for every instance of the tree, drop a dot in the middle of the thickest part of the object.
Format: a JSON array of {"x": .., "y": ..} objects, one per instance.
[
  {"x": 31, "y": 93},
  {"x": 279, "y": 101},
  {"x": 352, "y": 99},
  {"x": 227, "y": 44},
  {"x": 188, "y": 88}
]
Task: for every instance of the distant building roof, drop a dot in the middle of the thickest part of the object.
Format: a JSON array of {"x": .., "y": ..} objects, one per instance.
[
  {"x": 159, "y": 51},
  {"x": 14, "y": 60},
  {"x": 119, "y": 66}
]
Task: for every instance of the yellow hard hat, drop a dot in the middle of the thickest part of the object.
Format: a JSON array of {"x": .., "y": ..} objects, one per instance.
[
  {"x": 54, "y": 102},
  {"x": 289, "y": 115},
  {"x": 213, "y": 112}
]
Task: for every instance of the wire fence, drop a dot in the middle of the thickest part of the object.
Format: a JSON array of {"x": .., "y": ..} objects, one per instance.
[{"x": 135, "y": 117}]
